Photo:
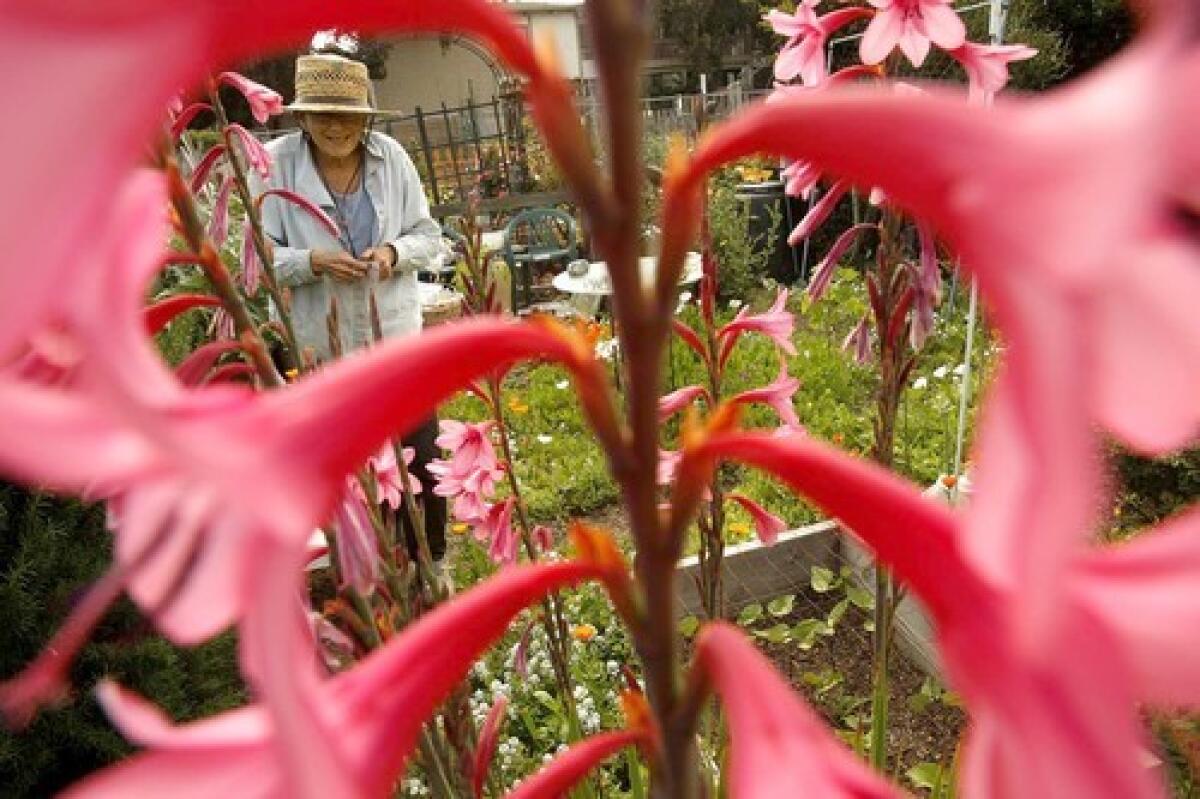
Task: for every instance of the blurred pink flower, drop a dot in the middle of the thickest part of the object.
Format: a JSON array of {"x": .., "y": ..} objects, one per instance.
[
  {"x": 485, "y": 749},
  {"x": 778, "y": 745},
  {"x": 367, "y": 719},
  {"x": 858, "y": 342},
  {"x": 264, "y": 102},
  {"x": 912, "y": 25},
  {"x": 389, "y": 483},
  {"x": 560, "y": 775},
  {"x": 496, "y": 529}
]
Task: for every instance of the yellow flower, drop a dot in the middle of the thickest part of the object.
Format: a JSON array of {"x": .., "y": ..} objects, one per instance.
[
  {"x": 459, "y": 527},
  {"x": 739, "y": 528},
  {"x": 583, "y": 632},
  {"x": 517, "y": 406},
  {"x": 291, "y": 374}
]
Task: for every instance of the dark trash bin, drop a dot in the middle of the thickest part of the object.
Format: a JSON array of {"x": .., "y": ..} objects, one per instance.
[{"x": 764, "y": 201}]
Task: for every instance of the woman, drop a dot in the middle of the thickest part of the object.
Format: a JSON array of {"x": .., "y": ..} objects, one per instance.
[{"x": 368, "y": 185}]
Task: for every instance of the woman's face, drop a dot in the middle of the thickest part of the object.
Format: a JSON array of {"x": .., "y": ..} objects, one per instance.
[{"x": 336, "y": 135}]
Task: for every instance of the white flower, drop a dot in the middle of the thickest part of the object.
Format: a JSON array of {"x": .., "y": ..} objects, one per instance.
[
  {"x": 544, "y": 439},
  {"x": 941, "y": 372},
  {"x": 960, "y": 370},
  {"x": 613, "y": 667},
  {"x": 920, "y": 383},
  {"x": 561, "y": 384},
  {"x": 735, "y": 304}
]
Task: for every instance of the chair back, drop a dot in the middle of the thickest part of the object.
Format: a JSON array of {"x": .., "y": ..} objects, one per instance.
[{"x": 533, "y": 237}]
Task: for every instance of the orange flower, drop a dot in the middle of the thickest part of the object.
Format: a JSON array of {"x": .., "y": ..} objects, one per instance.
[{"x": 583, "y": 632}]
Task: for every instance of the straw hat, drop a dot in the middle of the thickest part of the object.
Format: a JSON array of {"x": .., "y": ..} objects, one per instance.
[{"x": 333, "y": 84}]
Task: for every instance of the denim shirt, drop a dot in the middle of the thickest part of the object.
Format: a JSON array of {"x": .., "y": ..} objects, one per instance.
[{"x": 402, "y": 220}]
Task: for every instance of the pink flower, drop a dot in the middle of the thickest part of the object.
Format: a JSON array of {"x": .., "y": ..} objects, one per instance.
[
  {"x": 913, "y": 25},
  {"x": 819, "y": 212},
  {"x": 777, "y": 394},
  {"x": 822, "y": 274},
  {"x": 677, "y": 400},
  {"x": 858, "y": 342},
  {"x": 357, "y": 544},
  {"x": 264, "y": 103},
  {"x": 1052, "y": 650},
  {"x": 558, "y": 777},
  {"x": 470, "y": 445},
  {"x": 543, "y": 537},
  {"x": 485, "y": 749},
  {"x": 256, "y": 154},
  {"x": 218, "y": 225},
  {"x": 804, "y": 53},
  {"x": 986, "y": 66},
  {"x": 367, "y": 722},
  {"x": 775, "y": 323},
  {"x": 251, "y": 275},
  {"x": 767, "y": 525},
  {"x": 496, "y": 529},
  {"x": 389, "y": 483},
  {"x": 988, "y": 178},
  {"x": 778, "y": 746}
]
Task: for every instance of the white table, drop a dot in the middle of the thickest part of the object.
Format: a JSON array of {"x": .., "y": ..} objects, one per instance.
[{"x": 596, "y": 282}]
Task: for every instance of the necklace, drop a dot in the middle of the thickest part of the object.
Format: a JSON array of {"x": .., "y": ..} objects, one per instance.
[{"x": 340, "y": 212}]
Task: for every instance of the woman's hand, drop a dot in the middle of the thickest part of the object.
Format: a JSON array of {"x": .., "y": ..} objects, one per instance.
[
  {"x": 338, "y": 265},
  {"x": 384, "y": 258}
]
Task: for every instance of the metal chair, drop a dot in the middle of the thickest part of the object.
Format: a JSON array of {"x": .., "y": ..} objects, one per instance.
[{"x": 534, "y": 239}]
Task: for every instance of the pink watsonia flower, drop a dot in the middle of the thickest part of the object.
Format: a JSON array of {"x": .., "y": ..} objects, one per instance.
[
  {"x": 778, "y": 745},
  {"x": 989, "y": 176},
  {"x": 1051, "y": 658},
  {"x": 822, "y": 274},
  {"x": 677, "y": 400},
  {"x": 819, "y": 212},
  {"x": 264, "y": 102},
  {"x": 357, "y": 544},
  {"x": 543, "y": 538},
  {"x": 193, "y": 369},
  {"x": 218, "y": 224},
  {"x": 858, "y": 342},
  {"x": 912, "y": 25},
  {"x": 252, "y": 270},
  {"x": 778, "y": 394},
  {"x": 560, "y": 775},
  {"x": 470, "y": 492},
  {"x": 185, "y": 117},
  {"x": 767, "y": 525},
  {"x": 223, "y": 326},
  {"x": 254, "y": 150},
  {"x": 485, "y": 749},
  {"x": 776, "y": 323},
  {"x": 804, "y": 55},
  {"x": 496, "y": 529},
  {"x": 389, "y": 482},
  {"x": 161, "y": 313},
  {"x": 986, "y": 66},
  {"x": 204, "y": 168},
  {"x": 469, "y": 443},
  {"x": 367, "y": 721}
]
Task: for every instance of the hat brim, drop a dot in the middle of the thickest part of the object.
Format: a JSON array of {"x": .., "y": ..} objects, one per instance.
[{"x": 332, "y": 108}]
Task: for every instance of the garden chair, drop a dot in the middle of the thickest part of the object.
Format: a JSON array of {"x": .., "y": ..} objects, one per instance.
[{"x": 535, "y": 240}]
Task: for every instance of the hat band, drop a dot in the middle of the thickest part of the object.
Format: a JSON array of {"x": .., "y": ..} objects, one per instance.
[{"x": 333, "y": 99}]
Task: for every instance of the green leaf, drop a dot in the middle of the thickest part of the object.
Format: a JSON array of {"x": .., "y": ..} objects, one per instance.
[
  {"x": 781, "y": 606},
  {"x": 806, "y": 632},
  {"x": 927, "y": 775},
  {"x": 688, "y": 626},
  {"x": 822, "y": 682},
  {"x": 778, "y": 634},
  {"x": 861, "y": 597},
  {"x": 835, "y": 616},
  {"x": 750, "y": 614},
  {"x": 823, "y": 580}
]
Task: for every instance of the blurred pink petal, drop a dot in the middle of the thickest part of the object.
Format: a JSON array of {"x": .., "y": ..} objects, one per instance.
[
  {"x": 251, "y": 274},
  {"x": 818, "y": 213},
  {"x": 778, "y": 746},
  {"x": 496, "y": 530},
  {"x": 163, "y": 312},
  {"x": 195, "y": 368},
  {"x": 858, "y": 342},
  {"x": 204, "y": 168},
  {"x": 357, "y": 544},
  {"x": 986, "y": 66}
]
